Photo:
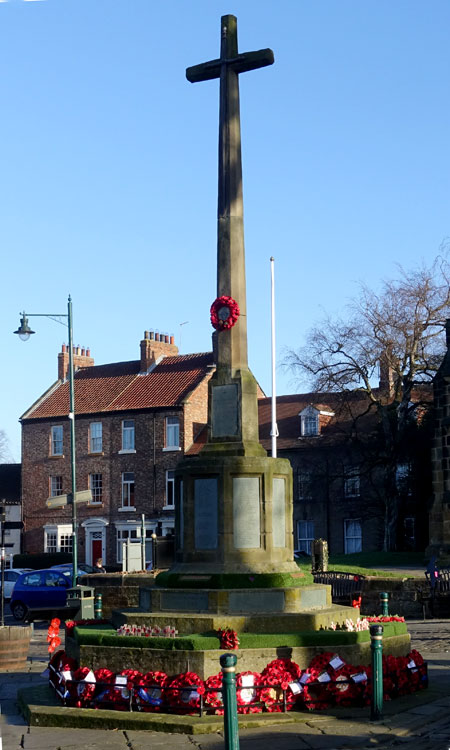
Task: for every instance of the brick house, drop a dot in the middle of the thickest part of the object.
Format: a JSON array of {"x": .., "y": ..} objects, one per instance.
[
  {"x": 339, "y": 492},
  {"x": 134, "y": 421}
]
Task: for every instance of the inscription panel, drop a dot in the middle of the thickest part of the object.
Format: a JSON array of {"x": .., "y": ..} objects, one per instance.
[
  {"x": 187, "y": 601},
  {"x": 246, "y": 513},
  {"x": 256, "y": 601},
  {"x": 205, "y": 513},
  {"x": 279, "y": 512},
  {"x": 225, "y": 411}
]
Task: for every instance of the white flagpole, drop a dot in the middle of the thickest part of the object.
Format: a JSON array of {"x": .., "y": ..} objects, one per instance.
[{"x": 274, "y": 428}]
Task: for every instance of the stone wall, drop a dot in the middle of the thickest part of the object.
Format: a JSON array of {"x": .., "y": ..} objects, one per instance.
[
  {"x": 407, "y": 596},
  {"x": 118, "y": 590}
]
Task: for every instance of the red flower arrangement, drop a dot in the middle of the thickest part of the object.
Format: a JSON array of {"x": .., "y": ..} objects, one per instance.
[
  {"x": 53, "y": 638},
  {"x": 184, "y": 692},
  {"x": 327, "y": 680},
  {"x": 280, "y": 675},
  {"x": 224, "y": 313},
  {"x": 228, "y": 638},
  {"x": 246, "y": 695},
  {"x": 150, "y": 694},
  {"x": 82, "y": 689},
  {"x": 213, "y": 694}
]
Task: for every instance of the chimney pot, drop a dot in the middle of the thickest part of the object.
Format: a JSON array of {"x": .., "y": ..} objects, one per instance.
[
  {"x": 166, "y": 338},
  {"x": 152, "y": 335},
  {"x": 83, "y": 352},
  {"x": 88, "y": 352},
  {"x": 156, "y": 335},
  {"x": 146, "y": 335},
  {"x": 63, "y": 348},
  {"x": 172, "y": 339}
]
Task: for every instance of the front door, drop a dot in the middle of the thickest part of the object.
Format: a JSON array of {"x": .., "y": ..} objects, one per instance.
[{"x": 96, "y": 549}]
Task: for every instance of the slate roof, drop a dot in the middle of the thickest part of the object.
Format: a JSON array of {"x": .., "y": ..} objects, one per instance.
[
  {"x": 120, "y": 387},
  {"x": 354, "y": 405}
]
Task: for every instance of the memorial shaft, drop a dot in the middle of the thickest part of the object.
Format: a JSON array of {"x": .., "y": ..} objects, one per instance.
[{"x": 240, "y": 398}]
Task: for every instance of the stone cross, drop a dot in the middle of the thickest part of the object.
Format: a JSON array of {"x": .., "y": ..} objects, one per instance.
[
  {"x": 230, "y": 241},
  {"x": 233, "y": 407}
]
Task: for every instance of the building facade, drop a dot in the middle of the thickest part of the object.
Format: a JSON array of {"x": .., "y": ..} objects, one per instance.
[
  {"x": 133, "y": 421},
  {"x": 340, "y": 489}
]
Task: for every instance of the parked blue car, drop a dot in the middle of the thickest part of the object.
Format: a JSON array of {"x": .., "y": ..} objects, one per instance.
[{"x": 40, "y": 590}]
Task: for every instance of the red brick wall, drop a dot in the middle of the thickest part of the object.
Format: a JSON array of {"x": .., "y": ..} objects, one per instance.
[{"x": 149, "y": 464}]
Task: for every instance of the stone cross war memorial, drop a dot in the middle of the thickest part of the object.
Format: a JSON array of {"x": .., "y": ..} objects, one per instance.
[
  {"x": 234, "y": 541},
  {"x": 234, "y": 565}
]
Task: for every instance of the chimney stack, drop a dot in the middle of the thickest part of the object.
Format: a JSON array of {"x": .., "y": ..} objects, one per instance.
[
  {"x": 81, "y": 358},
  {"x": 155, "y": 345}
]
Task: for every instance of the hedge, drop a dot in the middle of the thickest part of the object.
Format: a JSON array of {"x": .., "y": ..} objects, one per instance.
[{"x": 88, "y": 636}]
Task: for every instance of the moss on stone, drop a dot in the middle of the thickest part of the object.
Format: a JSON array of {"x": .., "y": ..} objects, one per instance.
[
  {"x": 227, "y": 581},
  {"x": 87, "y": 636}
]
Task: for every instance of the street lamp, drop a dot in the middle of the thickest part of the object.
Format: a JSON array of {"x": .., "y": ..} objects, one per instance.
[
  {"x": 24, "y": 332},
  {"x": 154, "y": 538}
]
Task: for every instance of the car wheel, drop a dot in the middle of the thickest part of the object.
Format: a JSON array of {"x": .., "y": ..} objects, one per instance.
[{"x": 19, "y": 611}]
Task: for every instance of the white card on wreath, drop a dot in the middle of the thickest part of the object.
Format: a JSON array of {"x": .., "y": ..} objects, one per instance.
[{"x": 336, "y": 662}]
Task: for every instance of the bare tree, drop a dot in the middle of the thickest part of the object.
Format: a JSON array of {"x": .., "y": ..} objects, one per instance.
[
  {"x": 5, "y": 453},
  {"x": 398, "y": 333}
]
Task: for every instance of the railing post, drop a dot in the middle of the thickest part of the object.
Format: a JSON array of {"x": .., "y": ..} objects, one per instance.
[
  {"x": 384, "y": 599},
  {"x": 230, "y": 718},
  {"x": 376, "y": 646},
  {"x": 98, "y": 607}
]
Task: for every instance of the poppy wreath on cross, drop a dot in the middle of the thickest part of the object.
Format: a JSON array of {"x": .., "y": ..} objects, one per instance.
[{"x": 224, "y": 313}]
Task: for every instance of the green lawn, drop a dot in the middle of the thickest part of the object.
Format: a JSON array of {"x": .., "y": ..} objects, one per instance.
[{"x": 369, "y": 563}]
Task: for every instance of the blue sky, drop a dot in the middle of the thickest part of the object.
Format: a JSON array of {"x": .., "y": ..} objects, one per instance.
[{"x": 108, "y": 179}]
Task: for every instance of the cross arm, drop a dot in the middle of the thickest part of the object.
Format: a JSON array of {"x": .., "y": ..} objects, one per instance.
[{"x": 240, "y": 64}]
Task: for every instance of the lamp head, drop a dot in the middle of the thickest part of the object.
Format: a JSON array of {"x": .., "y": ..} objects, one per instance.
[{"x": 24, "y": 331}]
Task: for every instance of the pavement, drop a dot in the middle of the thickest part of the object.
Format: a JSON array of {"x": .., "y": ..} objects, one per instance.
[{"x": 420, "y": 721}]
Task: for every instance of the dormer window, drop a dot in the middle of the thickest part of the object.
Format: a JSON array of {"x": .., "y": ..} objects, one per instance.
[{"x": 309, "y": 420}]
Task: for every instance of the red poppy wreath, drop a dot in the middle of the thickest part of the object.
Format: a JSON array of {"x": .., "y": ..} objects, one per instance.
[{"x": 224, "y": 313}]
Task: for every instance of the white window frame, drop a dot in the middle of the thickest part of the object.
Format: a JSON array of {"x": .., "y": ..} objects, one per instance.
[
  {"x": 305, "y": 536},
  {"x": 123, "y": 533},
  {"x": 349, "y": 539},
  {"x": 55, "y": 490},
  {"x": 57, "y": 438},
  {"x": 128, "y": 436},
  {"x": 58, "y": 535},
  {"x": 304, "y": 486},
  {"x": 170, "y": 489},
  {"x": 352, "y": 482},
  {"x": 126, "y": 483},
  {"x": 94, "y": 489},
  {"x": 172, "y": 433},
  {"x": 309, "y": 422},
  {"x": 95, "y": 437},
  {"x": 403, "y": 478}
]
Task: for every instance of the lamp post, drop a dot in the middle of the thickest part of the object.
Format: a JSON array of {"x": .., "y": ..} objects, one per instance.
[
  {"x": 154, "y": 538},
  {"x": 24, "y": 332}
]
